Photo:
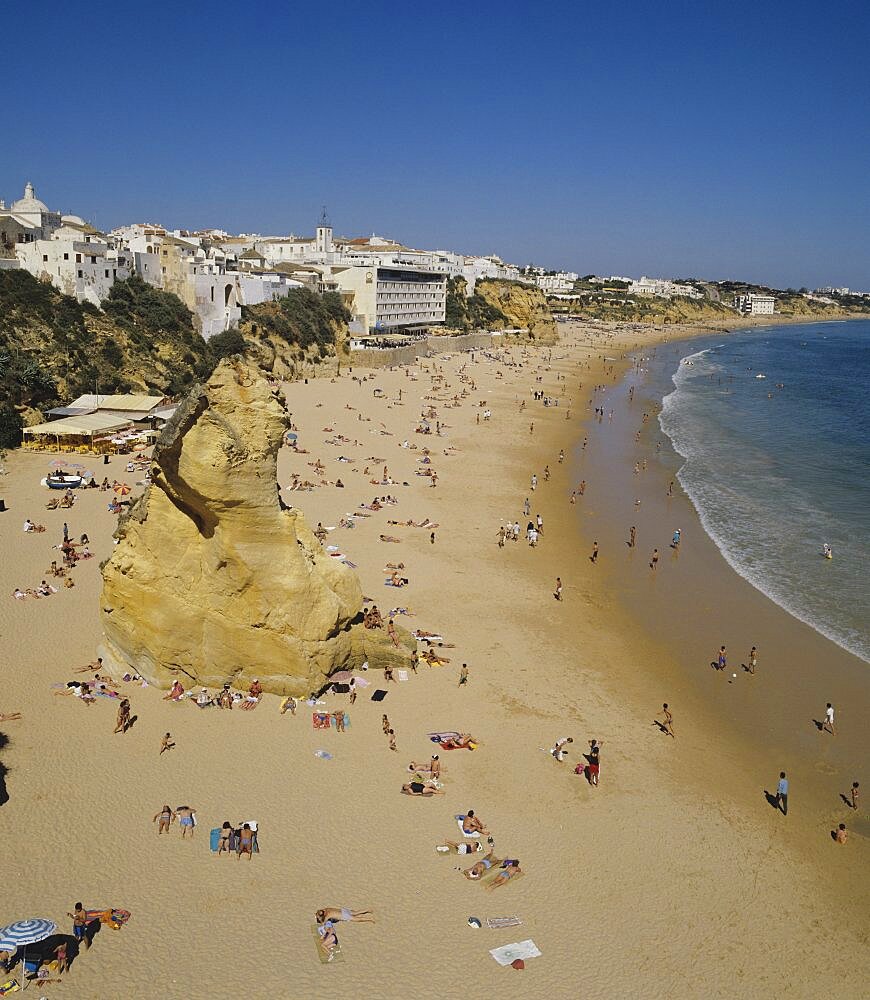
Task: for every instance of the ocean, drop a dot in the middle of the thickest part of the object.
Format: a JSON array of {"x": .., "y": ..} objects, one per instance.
[{"x": 777, "y": 467}]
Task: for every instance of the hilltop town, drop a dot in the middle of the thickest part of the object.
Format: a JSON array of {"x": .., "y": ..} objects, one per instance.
[{"x": 385, "y": 285}]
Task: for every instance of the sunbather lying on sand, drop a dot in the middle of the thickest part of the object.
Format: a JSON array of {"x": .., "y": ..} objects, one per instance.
[
  {"x": 480, "y": 868},
  {"x": 464, "y": 848},
  {"x": 433, "y": 660},
  {"x": 344, "y": 913},
  {"x": 389, "y": 538},
  {"x": 421, "y": 788},
  {"x": 328, "y": 940},
  {"x": 508, "y": 870},
  {"x": 433, "y": 767},
  {"x": 9, "y": 716}
]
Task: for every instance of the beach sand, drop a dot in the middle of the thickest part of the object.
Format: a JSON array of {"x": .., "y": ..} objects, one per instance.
[{"x": 673, "y": 877}]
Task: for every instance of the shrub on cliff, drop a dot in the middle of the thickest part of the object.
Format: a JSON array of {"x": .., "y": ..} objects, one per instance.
[{"x": 301, "y": 318}]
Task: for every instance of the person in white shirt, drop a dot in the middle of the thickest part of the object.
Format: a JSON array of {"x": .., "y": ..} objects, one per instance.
[
  {"x": 29, "y": 525},
  {"x": 559, "y": 751},
  {"x": 828, "y": 724}
]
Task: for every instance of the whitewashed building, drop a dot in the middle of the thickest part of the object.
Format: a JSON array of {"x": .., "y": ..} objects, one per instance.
[
  {"x": 663, "y": 288},
  {"x": 392, "y": 296},
  {"x": 561, "y": 281},
  {"x": 755, "y": 305}
]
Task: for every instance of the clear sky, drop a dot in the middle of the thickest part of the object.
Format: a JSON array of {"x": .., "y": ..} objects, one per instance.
[{"x": 676, "y": 139}]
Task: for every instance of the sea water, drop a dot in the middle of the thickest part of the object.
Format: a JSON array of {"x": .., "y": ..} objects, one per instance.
[{"x": 778, "y": 466}]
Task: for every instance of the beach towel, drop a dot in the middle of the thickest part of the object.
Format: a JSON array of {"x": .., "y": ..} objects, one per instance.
[
  {"x": 114, "y": 917},
  {"x": 320, "y": 720},
  {"x": 496, "y": 923},
  {"x": 403, "y": 675},
  {"x": 10, "y": 986},
  {"x": 214, "y": 838},
  {"x": 379, "y": 695},
  {"x": 511, "y": 952},
  {"x": 470, "y": 836},
  {"x": 346, "y": 721},
  {"x": 337, "y": 955}
]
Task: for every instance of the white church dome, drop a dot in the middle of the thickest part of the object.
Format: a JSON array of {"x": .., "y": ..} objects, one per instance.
[{"x": 29, "y": 203}]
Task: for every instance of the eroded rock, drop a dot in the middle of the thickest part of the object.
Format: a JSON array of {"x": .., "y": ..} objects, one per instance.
[{"x": 213, "y": 577}]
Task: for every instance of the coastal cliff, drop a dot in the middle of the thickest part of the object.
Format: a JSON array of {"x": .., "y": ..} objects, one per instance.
[
  {"x": 523, "y": 306},
  {"x": 497, "y": 305},
  {"x": 213, "y": 577}
]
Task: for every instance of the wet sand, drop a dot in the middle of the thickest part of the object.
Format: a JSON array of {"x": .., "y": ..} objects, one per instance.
[{"x": 674, "y": 877}]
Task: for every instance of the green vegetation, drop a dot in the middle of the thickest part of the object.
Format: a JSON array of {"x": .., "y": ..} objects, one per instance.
[
  {"x": 302, "y": 319},
  {"x": 53, "y": 348}
]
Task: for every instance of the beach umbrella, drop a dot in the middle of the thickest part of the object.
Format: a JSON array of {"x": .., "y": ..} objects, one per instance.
[
  {"x": 342, "y": 677},
  {"x": 25, "y": 932}
]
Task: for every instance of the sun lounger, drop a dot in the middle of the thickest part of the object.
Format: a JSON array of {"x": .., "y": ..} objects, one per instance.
[{"x": 497, "y": 923}]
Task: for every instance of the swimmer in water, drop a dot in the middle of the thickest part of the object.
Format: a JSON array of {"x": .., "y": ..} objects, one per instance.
[{"x": 827, "y": 551}]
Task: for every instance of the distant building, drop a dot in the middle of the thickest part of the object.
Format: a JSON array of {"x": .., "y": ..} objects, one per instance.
[
  {"x": 662, "y": 288},
  {"x": 392, "y": 296},
  {"x": 26, "y": 220},
  {"x": 561, "y": 281},
  {"x": 754, "y": 305}
]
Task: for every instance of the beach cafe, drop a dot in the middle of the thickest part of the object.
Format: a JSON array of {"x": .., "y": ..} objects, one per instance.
[{"x": 87, "y": 434}]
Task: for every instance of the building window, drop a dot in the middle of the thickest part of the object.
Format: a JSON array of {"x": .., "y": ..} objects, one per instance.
[
  {"x": 78, "y": 258},
  {"x": 66, "y": 256},
  {"x": 93, "y": 260},
  {"x": 80, "y": 273},
  {"x": 45, "y": 258}
]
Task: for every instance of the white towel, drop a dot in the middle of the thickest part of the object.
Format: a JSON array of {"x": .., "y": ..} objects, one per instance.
[{"x": 511, "y": 952}]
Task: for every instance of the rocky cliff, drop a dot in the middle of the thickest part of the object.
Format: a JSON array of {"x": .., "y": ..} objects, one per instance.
[
  {"x": 213, "y": 578},
  {"x": 524, "y": 306}
]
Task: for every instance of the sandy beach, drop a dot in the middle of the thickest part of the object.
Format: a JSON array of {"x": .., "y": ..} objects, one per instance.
[{"x": 674, "y": 877}]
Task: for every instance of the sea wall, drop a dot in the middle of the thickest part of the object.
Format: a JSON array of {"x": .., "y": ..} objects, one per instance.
[{"x": 387, "y": 357}]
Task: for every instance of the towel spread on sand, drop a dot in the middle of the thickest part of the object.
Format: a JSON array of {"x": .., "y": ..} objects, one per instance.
[{"x": 511, "y": 952}]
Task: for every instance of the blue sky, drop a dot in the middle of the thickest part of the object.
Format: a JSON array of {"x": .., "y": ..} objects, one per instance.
[{"x": 711, "y": 140}]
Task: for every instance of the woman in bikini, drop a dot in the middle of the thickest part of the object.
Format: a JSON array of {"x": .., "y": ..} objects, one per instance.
[
  {"x": 123, "y": 721},
  {"x": 224, "y": 839},
  {"x": 165, "y": 816},
  {"x": 246, "y": 842},
  {"x": 345, "y": 914},
  {"x": 509, "y": 870}
]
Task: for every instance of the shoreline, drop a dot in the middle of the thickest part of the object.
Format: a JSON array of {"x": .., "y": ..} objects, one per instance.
[{"x": 671, "y": 820}]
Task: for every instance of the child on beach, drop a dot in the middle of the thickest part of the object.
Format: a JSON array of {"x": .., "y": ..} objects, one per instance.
[{"x": 166, "y": 744}]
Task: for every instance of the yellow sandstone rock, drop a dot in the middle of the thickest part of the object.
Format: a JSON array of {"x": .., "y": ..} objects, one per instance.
[{"x": 213, "y": 577}]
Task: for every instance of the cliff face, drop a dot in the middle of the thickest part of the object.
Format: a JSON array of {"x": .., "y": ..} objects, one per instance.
[
  {"x": 213, "y": 578},
  {"x": 524, "y": 306},
  {"x": 53, "y": 348}
]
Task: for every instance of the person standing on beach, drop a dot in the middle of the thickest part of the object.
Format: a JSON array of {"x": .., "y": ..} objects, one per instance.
[
  {"x": 828, "y": 724},
  {"x": 782, "y": 793},
  {"x": 632, "y": 536},
  {"x": 166, "y": 744},
  {"x": 841, "y": 836},
  {"x": 594, "y": 756},
  {"x": 526, "y": 507},
  {"x": 463, "y": 675},
  {"x": 668, "y": 722},
  {"x": 123, "y": 721},
  {"x": 675, "y": 543},
  {"x": 854, "y": 794},
  {"x": 671, "y": 488},
  {"x": 654, "y": 561},
  {"x": 501, "y": 534},
  {"x": 594, "y": 557},
  {"x": 722, "y": 662},
  {"x": 534, "y": 483},
  {"x": 753, "y": 660},
  {"x": 558, "y": 592}
]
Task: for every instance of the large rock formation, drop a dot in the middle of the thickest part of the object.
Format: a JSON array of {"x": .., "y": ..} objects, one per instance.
[{"x": 213, "y": 577}]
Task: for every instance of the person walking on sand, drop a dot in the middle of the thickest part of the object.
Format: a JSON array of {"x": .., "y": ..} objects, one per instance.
[
  {"x": 828, "y": 724},
  {"x": 526, "y": 507},
  {"x": 782, "y": 793},
  {"x": 392, "y": 736},
  {"x": 667, "y": 722},
  {"x": 501, "y": 534},
  {"x": 654, "y": 560},
  {"x": 632, "y": 536},
  {"x": 594, "y": 557},
  {"x": 534, "y": 484},
  {"x": 166, "y": 744},
  {"x": 123, "y": 721},
  {"x": 753, "y": 660},
  {"x": 854, "y": 794},
  {"x": 463, "y": 675},
  {"x": 722, "y": 660},
  {"x": 561, "y": 456},
  {"x": 558, "y": 591},
  {"x": 841, "y": 836}
]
